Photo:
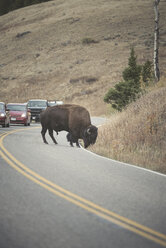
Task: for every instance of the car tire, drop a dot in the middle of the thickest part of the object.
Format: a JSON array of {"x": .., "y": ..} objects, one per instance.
[{"x": 4, "y": 125}]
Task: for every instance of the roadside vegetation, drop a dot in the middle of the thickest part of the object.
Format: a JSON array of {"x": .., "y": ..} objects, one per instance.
[
  {"x": 138, "y": 134},
  {"x": 136, "y": 78},
  {"x": 136, "y": 130}
]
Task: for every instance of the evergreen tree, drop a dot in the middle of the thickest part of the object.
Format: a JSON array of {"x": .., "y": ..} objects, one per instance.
[
  {"x": 125, "y": 92},
  {"x": 8, "y": 5},
  {"x": 18, "y": 4},
  {"x": 133, "y": 71},
  {"x": 147, "y": 73},
  {"x": 4, "y": 6}
]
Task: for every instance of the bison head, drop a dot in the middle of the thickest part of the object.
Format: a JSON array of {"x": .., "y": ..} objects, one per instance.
[{"x": 90, "y": 135}]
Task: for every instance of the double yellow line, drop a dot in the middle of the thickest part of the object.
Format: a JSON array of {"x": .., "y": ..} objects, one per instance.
[{"x": 89, "y": 206}]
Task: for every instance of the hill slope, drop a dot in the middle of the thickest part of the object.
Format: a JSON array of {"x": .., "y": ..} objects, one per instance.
[
  {"x": 44, "y": 50},
  {"x": 138, "y": 134}
]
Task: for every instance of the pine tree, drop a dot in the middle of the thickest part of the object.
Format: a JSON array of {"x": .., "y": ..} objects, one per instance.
[
  {"x": 4, "y": 6},
  {"x": 125, "y": 92},
  {"x": 147, "y": 73},
  {"x": 9, "y": 5},
  {"x": 133, "y": 71}
]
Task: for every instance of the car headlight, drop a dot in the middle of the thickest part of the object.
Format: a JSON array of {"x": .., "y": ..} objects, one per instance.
[
  {"x": 23, "y": 115},
  {"x": 2, "y": 114}
]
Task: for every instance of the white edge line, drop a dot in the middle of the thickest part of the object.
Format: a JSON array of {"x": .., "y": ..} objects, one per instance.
[
  {"x": 131, "y": 165},
  {"x": 134, "y": 166}
]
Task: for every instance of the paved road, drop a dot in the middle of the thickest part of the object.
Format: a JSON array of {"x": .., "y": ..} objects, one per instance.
[{"x": 57, "y": 196}]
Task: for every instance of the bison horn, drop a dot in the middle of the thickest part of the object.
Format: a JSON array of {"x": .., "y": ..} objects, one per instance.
[{"x": 88, "y": 131}]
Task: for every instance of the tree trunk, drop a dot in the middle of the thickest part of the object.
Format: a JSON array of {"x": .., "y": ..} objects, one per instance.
[{"x": 156, "y": 41}]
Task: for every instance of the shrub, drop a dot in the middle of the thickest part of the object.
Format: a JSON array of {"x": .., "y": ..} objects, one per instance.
[
  {"x": 133, "y": 71},
  {"x": 122, "y": 94},
  {"x": 87, "y": 41},
  {"x": 9, "y": 5},
  {"x": 125, "y": 92},
  {"x": 147, "y": 73}
]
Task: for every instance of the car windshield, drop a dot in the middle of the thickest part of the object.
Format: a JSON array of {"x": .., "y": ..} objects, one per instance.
[
  {"x": 1, "y": 107},
  {"x": 16, "y": 107},
  {"x": 37, "y": 104}
]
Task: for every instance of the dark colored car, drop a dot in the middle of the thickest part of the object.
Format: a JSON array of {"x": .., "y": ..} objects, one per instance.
[
  {"x": 4, "y": 115},
  {"x": 36, "y": 106},
  {"x": 19, "y": 113}
]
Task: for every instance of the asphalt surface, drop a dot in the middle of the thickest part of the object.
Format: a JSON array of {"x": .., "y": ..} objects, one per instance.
[{"x": 60, "y": 196}]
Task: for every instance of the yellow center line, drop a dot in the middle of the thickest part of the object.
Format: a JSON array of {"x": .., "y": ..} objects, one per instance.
[
  {"x": 79, "y": 201},
  {"x": 1, "y": 134}
]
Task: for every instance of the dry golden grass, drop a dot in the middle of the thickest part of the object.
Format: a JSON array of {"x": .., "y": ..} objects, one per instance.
[{"x": 138, "y": 135}]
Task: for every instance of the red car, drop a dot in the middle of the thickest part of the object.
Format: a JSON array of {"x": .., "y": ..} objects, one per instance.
[
  {"x": 19, "y": 113},
  {"x": 4, "y": 115}
]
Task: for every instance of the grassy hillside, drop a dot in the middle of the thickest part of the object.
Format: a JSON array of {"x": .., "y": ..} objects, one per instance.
[
  {"x": 45, "y": 51},
  {"x": 138, "y": 134}
]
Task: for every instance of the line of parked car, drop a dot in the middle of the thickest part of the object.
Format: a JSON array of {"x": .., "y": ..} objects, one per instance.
[
  {"x": 14, "y": 113},
  {"x": 23, "y": 113}
]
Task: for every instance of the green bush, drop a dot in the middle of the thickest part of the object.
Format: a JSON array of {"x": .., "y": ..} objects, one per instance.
[
  {"x": 87, "y": 41},
  {"x": 147, "y": 73},
  {"x": 122, "y": 94},
  {"x": 133, "y": 71},
  {"x": 127, "y": 91}
]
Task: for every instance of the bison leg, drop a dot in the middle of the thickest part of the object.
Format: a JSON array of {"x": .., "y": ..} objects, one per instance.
[
  {"x": 72, "y": 140},
  {"x": 77, "y": 144},
  {"x": 75, "y": 140},
  {"x": 43, "y": 132},
  {"x": 71, "y": 143},
  {"x": 69, "y": 139},
  {"x": 52, "y": 136}
]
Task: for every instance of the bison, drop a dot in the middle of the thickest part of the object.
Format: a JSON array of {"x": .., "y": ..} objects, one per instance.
[{"x": 72, "y": 118}]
